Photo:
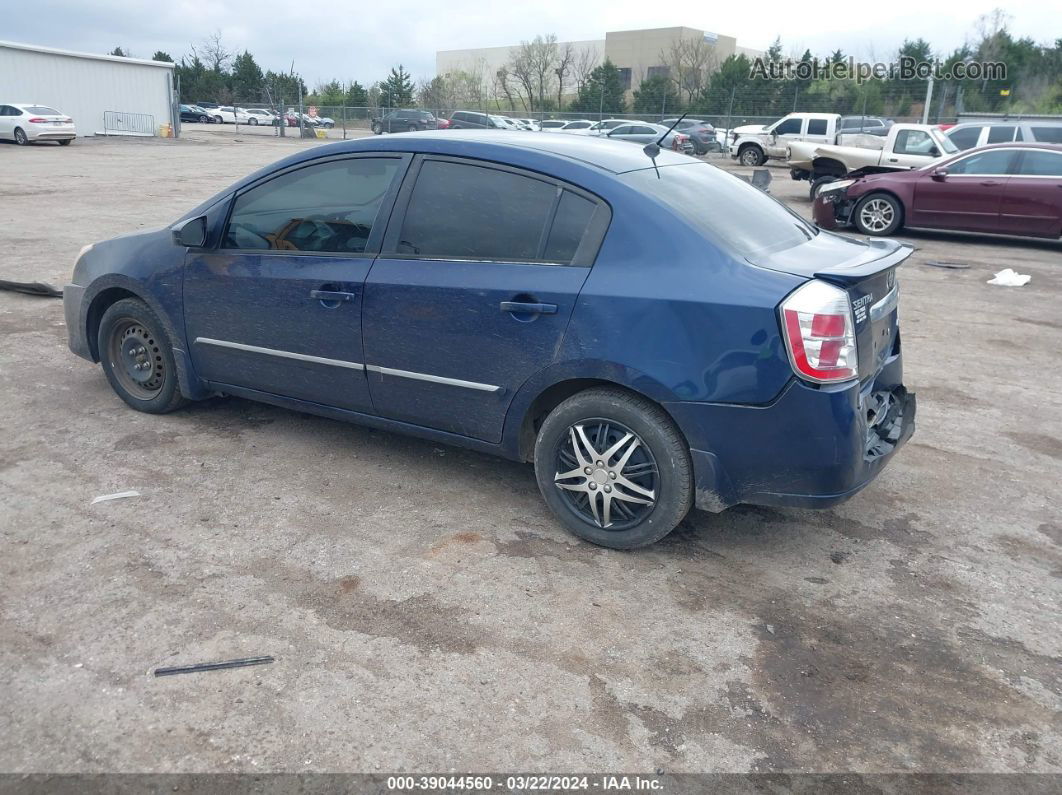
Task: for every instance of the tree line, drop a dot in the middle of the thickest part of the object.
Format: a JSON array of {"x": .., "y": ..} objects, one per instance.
[{"x": 545, "y": 76}]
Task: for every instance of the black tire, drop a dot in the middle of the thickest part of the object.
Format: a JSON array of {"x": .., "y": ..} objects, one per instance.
[
  {"x": 253, "y": 121},
  {"x": 412, "y": 128},
  {"x": 663, "y": 463},
  {"x": 889, "y": 222},
  {"x": 751, "y": 155},
  {"x": 218, "y": 120},
  {"x": 818, "y": 182},
  {"x": 66, "y": 142},
  {"x": 130, "y": 332},
  {"x": 20, "y": 137},
  {"x": 204, "y": 120},
  {"x": 377, "y": 129}
]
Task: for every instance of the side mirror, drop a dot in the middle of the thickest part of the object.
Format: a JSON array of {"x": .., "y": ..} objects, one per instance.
[
  {"x": 191, "y": 233},
  {"x": 939, "y": 174},
  {"x": 934, "y": 152}
]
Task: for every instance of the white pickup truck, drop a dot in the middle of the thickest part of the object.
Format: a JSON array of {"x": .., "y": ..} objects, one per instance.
[
  {"x": 754, "y": 146},
  {"x": 905, "y": 146}
]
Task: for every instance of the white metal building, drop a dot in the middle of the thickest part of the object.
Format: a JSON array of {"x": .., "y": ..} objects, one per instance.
[{"x": 86, "y": 86}]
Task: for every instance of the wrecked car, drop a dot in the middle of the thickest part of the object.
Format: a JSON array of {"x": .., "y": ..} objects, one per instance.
[
  {"x": 905, "y": 146},
  {"x": 1009, "y": 189},
  {"x": 567, "y": 301}
]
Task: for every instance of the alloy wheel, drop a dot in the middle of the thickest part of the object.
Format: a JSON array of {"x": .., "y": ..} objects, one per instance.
[
  {"x": 606, "y": 474},
  {"x": 20, "y": 137},
  {"x": 877, "y": 215}
]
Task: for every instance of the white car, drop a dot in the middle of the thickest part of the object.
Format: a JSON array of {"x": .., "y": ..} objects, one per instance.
[
  {"x": 601, "y": 127},
  {"x": 231, "y": 115},
  {"x": 580, "y": 126},
  {"x": 505, "y": 123},
  {"x": 259, "y": 116},
  {"x": 529, "y": 124},
  {"x": 26, "y": 123}
]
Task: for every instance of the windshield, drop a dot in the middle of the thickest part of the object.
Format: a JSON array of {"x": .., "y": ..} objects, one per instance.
[{"x": 731, "y": 213}]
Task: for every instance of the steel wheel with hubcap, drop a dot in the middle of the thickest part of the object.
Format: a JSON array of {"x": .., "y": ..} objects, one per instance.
[
  {"x": 750, "y": 156},
  {"x": 614, "y": 468},
  {"x": 137, "y": 358},
  {"x": 607, "y": 474},
  {"x": 878, "y": 214}
]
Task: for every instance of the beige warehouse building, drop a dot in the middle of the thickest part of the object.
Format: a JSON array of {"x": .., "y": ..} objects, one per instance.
[{"x": 639, "y": 54}]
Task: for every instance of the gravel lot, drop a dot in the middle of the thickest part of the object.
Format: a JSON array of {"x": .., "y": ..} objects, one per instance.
[{"x": 427, "y": 613}]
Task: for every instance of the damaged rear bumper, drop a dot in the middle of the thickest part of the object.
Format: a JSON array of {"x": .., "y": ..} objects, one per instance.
[{"x": 813, "y": 447}]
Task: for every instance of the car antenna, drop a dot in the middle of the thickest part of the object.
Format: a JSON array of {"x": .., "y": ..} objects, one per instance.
[{"x": 653, "y": 149}]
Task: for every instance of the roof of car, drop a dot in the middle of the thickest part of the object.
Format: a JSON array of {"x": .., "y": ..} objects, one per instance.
[
  {"x": 1007, "y": 123},
  {"x": 616, "y": 157},
  {"x": 1014, "y": 145}
]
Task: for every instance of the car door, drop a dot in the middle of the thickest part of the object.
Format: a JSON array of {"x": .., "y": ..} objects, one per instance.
[
  {"x": 786, "y": 131},
  {"x": 911, "y": 149},
  {"x": 276, "y": 306},
  {"x": 481, "y": 268},
  {"x": 1032, "y": 200},
  {"x": 967, "y": 196}
]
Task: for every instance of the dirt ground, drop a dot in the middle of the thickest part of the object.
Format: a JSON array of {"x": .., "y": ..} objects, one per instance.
[{"x": 427, "y": 613}]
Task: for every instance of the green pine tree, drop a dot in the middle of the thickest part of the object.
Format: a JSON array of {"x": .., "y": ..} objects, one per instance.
[
  {"x": 397, "y": 90},
  {"x": 602, "y": 92}
]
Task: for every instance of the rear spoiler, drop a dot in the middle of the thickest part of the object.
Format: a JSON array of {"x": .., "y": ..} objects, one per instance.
[{"x": 884, "y": 254}]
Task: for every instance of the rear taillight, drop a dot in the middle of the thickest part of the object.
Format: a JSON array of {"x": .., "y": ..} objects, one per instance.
[
  {"x": 820, "y": 333},
  {"x": 37, "y": 120}
]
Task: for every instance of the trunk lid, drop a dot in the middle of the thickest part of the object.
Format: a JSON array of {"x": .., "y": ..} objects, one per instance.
[{"x": 866, "y": 270}]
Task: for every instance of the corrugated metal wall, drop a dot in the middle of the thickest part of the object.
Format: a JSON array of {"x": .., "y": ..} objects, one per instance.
[{"x": 84, "y": 88}]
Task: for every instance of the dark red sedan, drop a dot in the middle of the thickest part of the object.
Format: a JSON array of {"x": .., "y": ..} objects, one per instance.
[{"x": 1006, "y": 189}]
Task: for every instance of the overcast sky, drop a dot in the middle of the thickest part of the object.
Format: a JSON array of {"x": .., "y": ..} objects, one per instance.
[{"x": 361, "y": 40}]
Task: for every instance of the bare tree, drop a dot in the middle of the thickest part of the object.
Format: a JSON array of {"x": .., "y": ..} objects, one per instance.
[
  {"x": 213, "y": 52},
  {"x": 565, "y": 66},
  {"x": 689, "y": 63},
  {"x": 585, "y": 62},
  {"x": 534, "y": 64},
  {"x": 503, "y": 87},
  {"x": 522, "y": 72}
]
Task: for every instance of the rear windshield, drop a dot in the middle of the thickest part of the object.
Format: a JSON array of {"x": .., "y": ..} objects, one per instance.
[
  {"x": 43, "y": 110},
  {"x": 730, "y": 212}
]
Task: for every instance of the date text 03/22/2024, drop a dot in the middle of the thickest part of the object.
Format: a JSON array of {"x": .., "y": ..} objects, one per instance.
[{"x": 605, "y": 783}]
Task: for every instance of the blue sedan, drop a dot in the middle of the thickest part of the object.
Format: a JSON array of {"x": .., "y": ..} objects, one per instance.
[{"x": 651, "y": 332}]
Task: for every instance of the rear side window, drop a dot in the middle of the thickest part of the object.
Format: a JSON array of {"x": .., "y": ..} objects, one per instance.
[
  {"x": 994, "y": 162},
  {"x": 1041, "y": 164},
  {"x": 569, "y": 226},
  {"x": 738, "y": 217},
  {"x": 467, "y": 211},
  {"x": 328, "y": 207},
  {"x": 1048, "y": 135},
  {"x": 966, "y": 137},
  {"x": 1000, "y": 135},
  {"x": 816, "y": 126},
  {"x": 460, "y": 211}
]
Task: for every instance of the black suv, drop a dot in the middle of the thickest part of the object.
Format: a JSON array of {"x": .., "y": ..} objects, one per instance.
[
  {"x": 405, "y": 121},
  {"x": 469, "y": 120}
]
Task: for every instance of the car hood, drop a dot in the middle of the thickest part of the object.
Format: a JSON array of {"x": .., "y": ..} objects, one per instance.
[
  {"x": 835, "y": 258},
  {"x": 750, "y": 129}
]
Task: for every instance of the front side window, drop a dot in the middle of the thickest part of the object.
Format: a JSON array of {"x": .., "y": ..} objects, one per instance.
[
  {"x": 1036, "y": 163},
  {"x": 914, "y": 142},
  {"x": 328, "y": 207},
  {"x": 578, "y": 125},
  {"x": 994, "y": 162},
  {"x": 788, "y": 127},
  {"x": 966, "y": 137},
  {"x": 465, "y": 211},
  {"x": 623, "y": 129},
  {"x": 1048, "y": 135},
  {"x": 644, "y": 130}
]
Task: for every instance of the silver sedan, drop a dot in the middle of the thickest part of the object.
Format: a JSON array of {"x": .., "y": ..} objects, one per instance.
[{"x": 644, "y": 132}]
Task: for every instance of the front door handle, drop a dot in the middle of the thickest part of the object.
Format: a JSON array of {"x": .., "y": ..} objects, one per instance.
[
  {"x": 521, "y": 308},
  {"x": 331, "y": 295},
  {"x": 990, "y": 183}
]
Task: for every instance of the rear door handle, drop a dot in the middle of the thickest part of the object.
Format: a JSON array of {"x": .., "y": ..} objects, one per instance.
[
  {"x": 331, "y": 295},
  {"x": 520, "y": 307},
  {"x": 991, "y": 183}
]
